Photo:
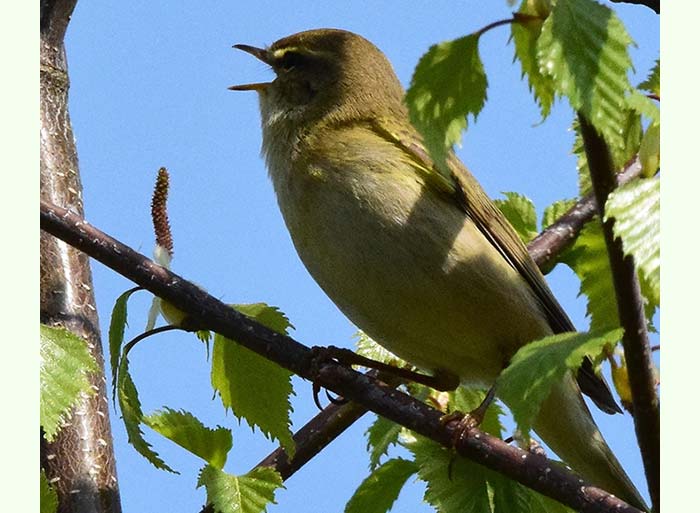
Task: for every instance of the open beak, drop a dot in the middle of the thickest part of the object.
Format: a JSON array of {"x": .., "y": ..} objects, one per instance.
[{"x": 258, "y": 53}]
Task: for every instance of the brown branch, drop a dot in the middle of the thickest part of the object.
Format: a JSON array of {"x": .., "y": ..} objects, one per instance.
[
  {"x": 630, "y": 307},
  {"x": 549, "y": 244},
  {"x": 80, "y": 462},
  {"x": 534, "y": 471}
]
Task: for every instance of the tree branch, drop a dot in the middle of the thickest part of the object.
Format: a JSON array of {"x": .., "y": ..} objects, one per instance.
[
  {"x": 630, "y": 307},
  {"x": 532, "y": 470}
]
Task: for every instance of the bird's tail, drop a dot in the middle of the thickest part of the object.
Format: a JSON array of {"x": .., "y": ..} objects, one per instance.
[{"x": 567, "y": 427}]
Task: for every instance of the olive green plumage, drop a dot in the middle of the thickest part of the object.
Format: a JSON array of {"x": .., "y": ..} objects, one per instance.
[{"x": 417, "y": 257}]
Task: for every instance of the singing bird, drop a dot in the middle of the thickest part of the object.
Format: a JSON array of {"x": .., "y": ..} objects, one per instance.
[{"x": 418, "y": 258}]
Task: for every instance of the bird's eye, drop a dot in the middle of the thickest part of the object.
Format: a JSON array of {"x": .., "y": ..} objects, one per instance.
[{"x": 291, "y": 60}]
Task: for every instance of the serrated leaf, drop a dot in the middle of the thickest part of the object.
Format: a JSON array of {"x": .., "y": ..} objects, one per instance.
[
  {"x": 63, "y": 371},
  {"x": 186, "y": 430},
  {"x": 132, "y": 415},
  {"x": 48, "y": 498},
  {"x": 255, "y": 388},
  {"x": 650, "y": 151},
  {"x": 448, "y": 84},
  {"x": 644, "y": 105},
  {"x": 378, "y": 492},
  {"x": 525, "y": 34},
  {"x": 548, "y": 360},
  {"x": 636, "y": 209},
  {"x": 117, "y": 324},
  {"x": 382, "y": 434},
  {"x": 554, "y": 211},
  {"x": 583, "y": 48},
  {"x": 468, "y": 399},
  {"x": 368, "y": 348},
  {"x": 249, "y": 493},
  {"x": 454, "y": 485},
  {"x": 653, "y": 81},
  {"x": 588, "y": 258},
  {"x": 520, "y": 212}
]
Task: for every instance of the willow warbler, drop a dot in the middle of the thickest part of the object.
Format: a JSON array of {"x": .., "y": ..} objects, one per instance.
[{"x": 419, "y": 259}]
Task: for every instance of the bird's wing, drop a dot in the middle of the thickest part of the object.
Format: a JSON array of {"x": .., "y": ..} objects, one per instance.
[{"x": 498, "y": 231}]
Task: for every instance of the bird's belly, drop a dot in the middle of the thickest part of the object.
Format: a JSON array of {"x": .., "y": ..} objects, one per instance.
[{"x": 413, "y": 272}]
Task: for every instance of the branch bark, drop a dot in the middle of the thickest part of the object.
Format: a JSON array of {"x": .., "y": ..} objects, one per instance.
[
  {"x": 80, "y": 463},
  {"x": 630, "y": 307},
  {"x": 532, "y": 470}
]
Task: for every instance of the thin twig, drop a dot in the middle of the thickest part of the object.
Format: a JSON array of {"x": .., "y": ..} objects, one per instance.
[
  {"x": 630, "y": 307},
  {"x": 534, "y": 471}
]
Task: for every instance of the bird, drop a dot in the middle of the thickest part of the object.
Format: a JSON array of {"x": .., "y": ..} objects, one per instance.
[{"x": 414, "y": 253}]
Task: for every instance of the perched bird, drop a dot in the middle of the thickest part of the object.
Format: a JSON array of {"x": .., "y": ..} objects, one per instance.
[{"x": 418, "y": 258}]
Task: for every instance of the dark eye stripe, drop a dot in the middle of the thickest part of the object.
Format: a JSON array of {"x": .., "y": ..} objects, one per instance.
[{"x": 291, "y": 60}]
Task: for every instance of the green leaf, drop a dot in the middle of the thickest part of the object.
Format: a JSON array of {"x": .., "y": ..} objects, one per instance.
[
  {"x": 650, "y": 150},
  {"x": 381, "y": 488},
  {"x": 554, "y": 211},
  {"x": 525, "y": 35},
  {"x": 64, "y": 368},
  {"x": 644, "y": 105},
  {"x": 454, "y": 484},
  {"x": 636, "y": 209},
  {"x": 255, "y": 388},
  {"x": 382, "y": 434},
  {"x": 183, "y": 428},
  {"x": 117, "y": 325},
  {"x": 653, "y": 81},
  {"x": 448, "y": 84},
  {"x": 48, "y": 498},
  {"x": 467, "y": 399},
  {"x": 520, "y": 212},
  {"x": 132, "y": 415},
  {"x": 583, "y": 48},
  {"x": 588, "y": 258},
  {"x": 368, "y": 348},
  {"x": 249, "y": 493},
  {"x": 548, "y": 359}
]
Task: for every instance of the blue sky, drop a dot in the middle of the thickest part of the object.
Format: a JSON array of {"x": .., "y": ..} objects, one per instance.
[{"x": 148, "y": 89}]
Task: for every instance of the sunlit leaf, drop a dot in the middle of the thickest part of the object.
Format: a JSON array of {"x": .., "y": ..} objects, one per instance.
[
  {"x": 248, "y": 493},
  {"x": 381, "y": 488}
]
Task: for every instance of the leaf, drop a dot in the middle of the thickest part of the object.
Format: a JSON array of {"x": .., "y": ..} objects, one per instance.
[
  {"x": 381, "y": 488},
  {"x": 525, "y": 34},
  {"x": 644, "y": 105},
  {"x": 583, "y": 48},
  {"x": 448, "y": 84},
  {"x": 48, "y": 498},
  {"x": 636, "y": 209},
  {"x": 132, "y": 416},
  {"x": 653, "y": 81},
  {"x": 520, "y": 212},
  {"x": 650, "y": 150},
  {"x": 64, "y": 368},
  {"x": 255, "y": 388},
  {"x": 368, "y": 348},
  {"x": 548, "y": 359},
  {"x": 554, "y": 211},
  {"x": 588, "y": 258},
  {"x": 117, "y": 324},
  {"x": 454, "y": 485},
  {"x": 249, "y": 493},
  {"x": 183, "y": 428},
  {"x": 382, "y": 434}
]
